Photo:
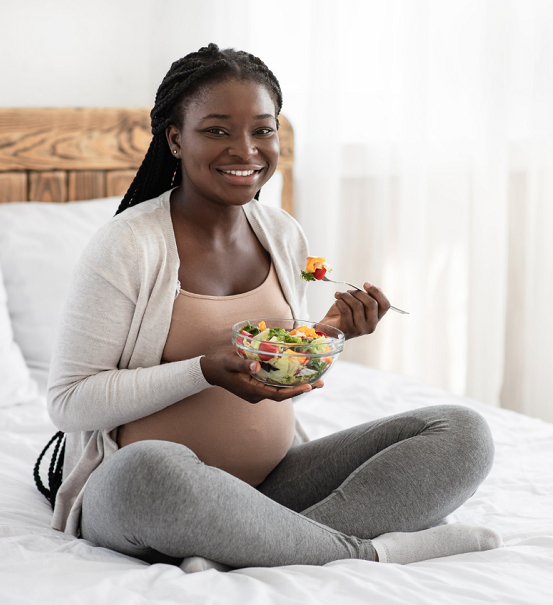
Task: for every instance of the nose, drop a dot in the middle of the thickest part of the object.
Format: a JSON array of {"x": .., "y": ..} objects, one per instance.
[{"x": 243, "y": 146}]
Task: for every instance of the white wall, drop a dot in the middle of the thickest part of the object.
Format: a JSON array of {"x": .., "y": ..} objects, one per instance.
[
  {"x": 116, "y": 52},
  {"x": 62, "y": 53}
]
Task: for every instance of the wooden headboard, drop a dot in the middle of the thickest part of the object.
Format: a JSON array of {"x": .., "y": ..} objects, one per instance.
[{"x": 62, "y": 154}]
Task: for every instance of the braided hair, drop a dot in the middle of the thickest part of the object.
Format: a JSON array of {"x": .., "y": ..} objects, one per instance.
[{"x": 160, "y": 170}]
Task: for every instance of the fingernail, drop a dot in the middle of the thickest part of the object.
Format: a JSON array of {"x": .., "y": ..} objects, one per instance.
[
  {"x": 306, "y": 389},
  {"x": 253, "y": 366},
  {"x": 367, "y": 285}
]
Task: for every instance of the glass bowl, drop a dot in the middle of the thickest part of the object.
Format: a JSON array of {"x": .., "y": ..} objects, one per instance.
[{"x": 289, "y": 364}]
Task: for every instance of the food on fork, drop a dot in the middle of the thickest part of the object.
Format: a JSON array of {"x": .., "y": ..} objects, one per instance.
[{"x": 315, "y": 269}]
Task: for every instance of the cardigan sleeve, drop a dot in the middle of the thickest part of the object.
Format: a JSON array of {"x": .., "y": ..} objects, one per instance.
[{"x": 87, "y": 388}]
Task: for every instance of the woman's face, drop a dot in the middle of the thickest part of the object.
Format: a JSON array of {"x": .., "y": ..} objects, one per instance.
[{"x": 228, "y": 144}]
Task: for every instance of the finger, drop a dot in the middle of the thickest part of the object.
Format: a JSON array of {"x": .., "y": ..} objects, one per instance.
[
  {"x": 281, "y": 394},
  {"x": 359, "y": 315},
  {"x": 239, "y": 364},
  {"x": 300, "y": 389},
  {"x": 346, "y": 315},
  {"x": 347, "y": 324},
  {"x": 257, "y": 391},
  {"x": 380, "y": 297},
  {"x": 296, "y": 391},
  {"x": 375, "y": 303},
  {"x": 370, "y": 308}
]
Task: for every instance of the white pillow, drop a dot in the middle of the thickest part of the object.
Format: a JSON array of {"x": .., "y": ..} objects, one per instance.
[
  {"x": 40, "y": 243},
  {"x": 16, "y": 385}
]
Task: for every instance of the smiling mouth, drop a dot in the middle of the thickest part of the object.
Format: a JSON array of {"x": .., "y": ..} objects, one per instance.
[{"x": 240, "y": 172}]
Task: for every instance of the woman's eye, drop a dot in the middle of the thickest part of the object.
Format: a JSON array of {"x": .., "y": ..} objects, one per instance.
[
  {"x": 264, "y": 131},
  {"x": 215, "y": 131}
]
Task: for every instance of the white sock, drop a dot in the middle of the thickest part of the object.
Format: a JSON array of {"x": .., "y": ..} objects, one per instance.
[
  {"x": 441, "y": 541},
  {"x": 194, "y": 564}
]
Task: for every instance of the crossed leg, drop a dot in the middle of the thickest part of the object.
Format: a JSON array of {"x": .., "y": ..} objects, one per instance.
[
  {"x": 325, "y": 500},
  {"x": 400, "y": 473}
]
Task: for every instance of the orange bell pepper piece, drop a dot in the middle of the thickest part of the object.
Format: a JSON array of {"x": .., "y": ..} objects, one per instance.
[
  {"x": 303, "y": 360},
  {"x": 314, "y": 262}
]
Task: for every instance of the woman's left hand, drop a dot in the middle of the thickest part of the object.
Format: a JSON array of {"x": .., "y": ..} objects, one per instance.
[{"x": 357, "y": 313}]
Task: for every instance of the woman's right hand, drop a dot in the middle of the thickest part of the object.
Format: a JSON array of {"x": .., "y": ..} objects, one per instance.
[{"x": 228, "y": 370}]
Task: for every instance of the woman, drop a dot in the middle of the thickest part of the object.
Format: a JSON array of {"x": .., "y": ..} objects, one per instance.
[{"x": 166, "y": 457}]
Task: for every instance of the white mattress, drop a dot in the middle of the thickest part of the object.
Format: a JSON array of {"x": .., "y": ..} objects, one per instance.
[{"x": 40, "y": 565}]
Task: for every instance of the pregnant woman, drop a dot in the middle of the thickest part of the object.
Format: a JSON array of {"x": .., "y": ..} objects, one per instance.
[{"x": 167, "y": 458}]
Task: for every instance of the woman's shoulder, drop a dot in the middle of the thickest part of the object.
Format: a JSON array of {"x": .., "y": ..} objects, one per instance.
[
  {"x": 148, "y": 215},
  {"x": 142, "y": 222},
  {"x": 273, "y": 219},
  {"x": 137, "y": 235}
]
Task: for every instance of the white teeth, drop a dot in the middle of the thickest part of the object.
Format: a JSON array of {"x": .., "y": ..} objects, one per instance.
[{"x": 239, "y": 172}]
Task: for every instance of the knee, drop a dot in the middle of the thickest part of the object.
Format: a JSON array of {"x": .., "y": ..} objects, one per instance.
[
  {"x": 126, "y": 494},
  {"x": 471, "y": 439},
  {"x": 153, "y": 466},
  {"x": 141, "y": 474}
]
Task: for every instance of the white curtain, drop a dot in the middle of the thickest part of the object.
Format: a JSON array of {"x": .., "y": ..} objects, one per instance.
[{"x": 424, "y": 146}]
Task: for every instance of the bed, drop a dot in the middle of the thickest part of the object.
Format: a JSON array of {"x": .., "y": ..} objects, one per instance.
[{"x": 64, "y": 155}]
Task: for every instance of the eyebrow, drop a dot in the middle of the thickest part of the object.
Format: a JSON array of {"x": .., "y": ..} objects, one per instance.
[{"x": 222, "y": 116}]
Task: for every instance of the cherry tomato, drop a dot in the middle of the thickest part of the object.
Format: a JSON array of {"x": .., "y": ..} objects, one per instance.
[
  {"x": 240, "y": 340},
  {"x": 268, "y": 348},
  {"x": 320, "y": 334},
  {"x": 319, "y": 273}
]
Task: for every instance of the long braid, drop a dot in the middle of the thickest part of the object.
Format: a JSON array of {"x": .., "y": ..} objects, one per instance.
[{"x": 160, "y": 170}]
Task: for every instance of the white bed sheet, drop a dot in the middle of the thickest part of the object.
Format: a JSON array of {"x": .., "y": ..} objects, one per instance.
[{"x": 40, "y": 565}]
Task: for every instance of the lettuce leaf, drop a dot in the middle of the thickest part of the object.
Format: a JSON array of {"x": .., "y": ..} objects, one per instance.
[{"x": 251, "y": 329}]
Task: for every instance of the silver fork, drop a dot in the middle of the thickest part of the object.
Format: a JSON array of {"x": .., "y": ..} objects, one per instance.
[{"x": 325, "y": 278}]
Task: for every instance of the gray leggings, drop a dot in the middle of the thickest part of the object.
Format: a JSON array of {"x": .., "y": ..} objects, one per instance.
[{"x": 326, "y": 499}]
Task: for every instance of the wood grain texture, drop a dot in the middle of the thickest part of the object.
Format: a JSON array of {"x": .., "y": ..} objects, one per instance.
[
  {"x": 118, "y": 181},
  {"x": 286, "y": 136},
  {"x": 48, "y": 186},
  {"x": 86, "y": 185},
  {"x": 13, "y": 187},
  {"x": 286, "y": 163},
  {"x": 69, "y": 138},
  {"x": 287, "y": 195}
]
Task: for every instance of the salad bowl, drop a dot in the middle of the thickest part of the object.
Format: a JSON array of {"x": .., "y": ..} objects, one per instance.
[{"x": 291, "y": 351}]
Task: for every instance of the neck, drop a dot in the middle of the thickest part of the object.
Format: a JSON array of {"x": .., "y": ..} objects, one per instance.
[{"x": 211, "y": 220}]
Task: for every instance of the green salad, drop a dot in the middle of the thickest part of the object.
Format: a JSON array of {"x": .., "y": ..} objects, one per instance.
[{"x": 282, "y": 365}]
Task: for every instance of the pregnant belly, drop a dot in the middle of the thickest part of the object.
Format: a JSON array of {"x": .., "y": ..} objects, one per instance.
[{"x": 224, "y": 431}]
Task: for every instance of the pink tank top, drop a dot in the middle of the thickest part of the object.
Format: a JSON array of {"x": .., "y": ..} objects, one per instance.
[{"x": 246, "y": 440}]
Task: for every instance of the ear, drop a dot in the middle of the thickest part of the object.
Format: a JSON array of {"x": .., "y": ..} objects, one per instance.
[{"x": 173, "y": 139}]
